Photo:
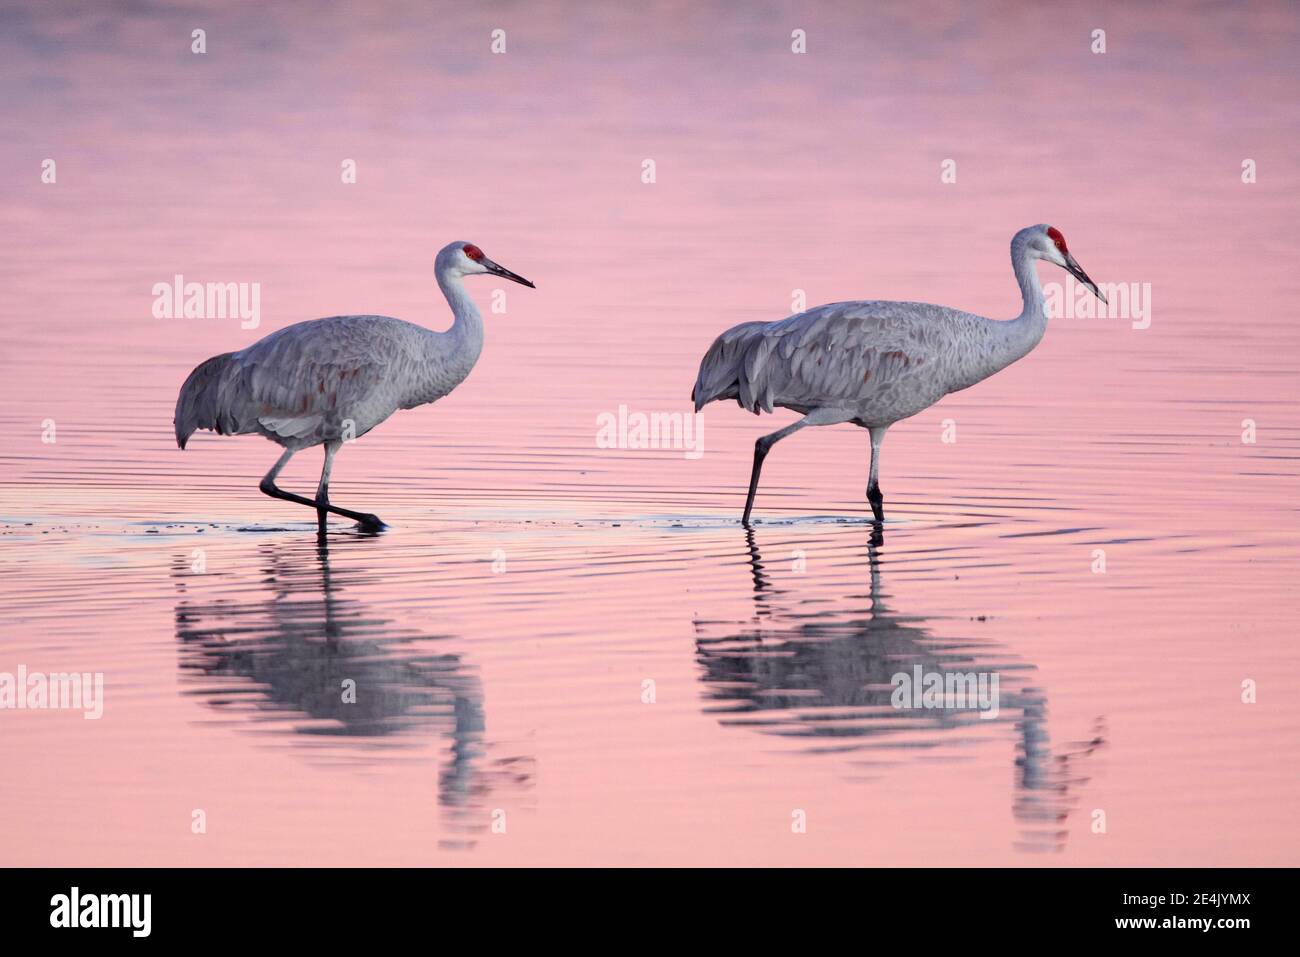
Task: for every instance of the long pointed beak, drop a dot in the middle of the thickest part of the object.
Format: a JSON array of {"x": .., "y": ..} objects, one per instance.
[
  {"x": 1077, "y": 272},
  {"x": 505, "y": 273}
]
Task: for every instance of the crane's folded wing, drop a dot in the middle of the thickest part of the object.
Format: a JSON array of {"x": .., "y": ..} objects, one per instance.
[
  {"x": 303, "y": 382},
  {"x": 839, "y": 353}
]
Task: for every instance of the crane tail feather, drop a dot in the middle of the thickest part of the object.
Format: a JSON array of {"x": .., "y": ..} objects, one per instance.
[
  {"x": 735, "y": 368},
  {"x": 199, "y": 404}
]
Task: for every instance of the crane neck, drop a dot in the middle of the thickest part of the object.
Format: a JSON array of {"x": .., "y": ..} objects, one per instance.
[
  {"x": 1021, "y": 334},
  {"x": 1031, "y": 291},
  {"x": 464, "y": 340}
]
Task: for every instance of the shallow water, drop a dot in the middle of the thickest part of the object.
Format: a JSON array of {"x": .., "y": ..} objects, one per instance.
[{"x": 564, "y": 653}]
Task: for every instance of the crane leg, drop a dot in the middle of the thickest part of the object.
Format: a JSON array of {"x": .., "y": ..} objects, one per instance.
[
  {"x": 765, "y": 443},
  {"x": 368, "y": 522},
  {"x": 874, "y": 495},
  {"x": 323, "y": 488}
]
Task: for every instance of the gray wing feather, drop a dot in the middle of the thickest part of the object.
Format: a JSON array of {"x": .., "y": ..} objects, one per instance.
[
  {"x": 856, "y": 353},
  {"x": 298, "y": 382}
]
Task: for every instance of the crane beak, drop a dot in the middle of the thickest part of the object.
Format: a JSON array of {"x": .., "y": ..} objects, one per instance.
[
  {"x": 1077, "y": 272},
  {"x": 505, "y": 273}
]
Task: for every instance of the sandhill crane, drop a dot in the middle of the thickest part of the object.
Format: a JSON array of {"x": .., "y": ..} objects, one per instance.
[
  {"x": 325, "y": 381},
  {"x": 872, "y": 363}
]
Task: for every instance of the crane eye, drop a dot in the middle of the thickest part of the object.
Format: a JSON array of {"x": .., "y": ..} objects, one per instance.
[{"x": 472, "y": 251}]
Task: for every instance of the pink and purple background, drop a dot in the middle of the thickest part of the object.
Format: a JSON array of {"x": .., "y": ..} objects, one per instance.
[{"x": 521, "y": 692}]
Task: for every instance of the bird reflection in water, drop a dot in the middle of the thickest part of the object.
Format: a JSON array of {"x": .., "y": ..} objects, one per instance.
[
  {"x": 301, "y": 655},
  {"x": 827, "y": 676}
]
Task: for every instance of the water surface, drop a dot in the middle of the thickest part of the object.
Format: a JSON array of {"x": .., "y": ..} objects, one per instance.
[{"x": 563, "y": 653}]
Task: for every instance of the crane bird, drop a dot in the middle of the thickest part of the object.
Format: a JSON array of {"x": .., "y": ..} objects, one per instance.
[
  {"x": 872, "y": 363},
  {"x": 326, "y": 381}
]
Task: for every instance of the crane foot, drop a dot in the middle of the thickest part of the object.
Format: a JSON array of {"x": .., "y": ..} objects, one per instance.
[{"x": 370, "y": 523}]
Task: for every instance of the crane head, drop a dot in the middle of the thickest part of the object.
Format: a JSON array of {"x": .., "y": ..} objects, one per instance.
[
  {"x": 1049, "y": 243},
  {"x": 466, "y": 259}
]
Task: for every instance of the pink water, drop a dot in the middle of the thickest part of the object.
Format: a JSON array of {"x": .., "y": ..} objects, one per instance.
[{"x": 503, "y": 634}]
